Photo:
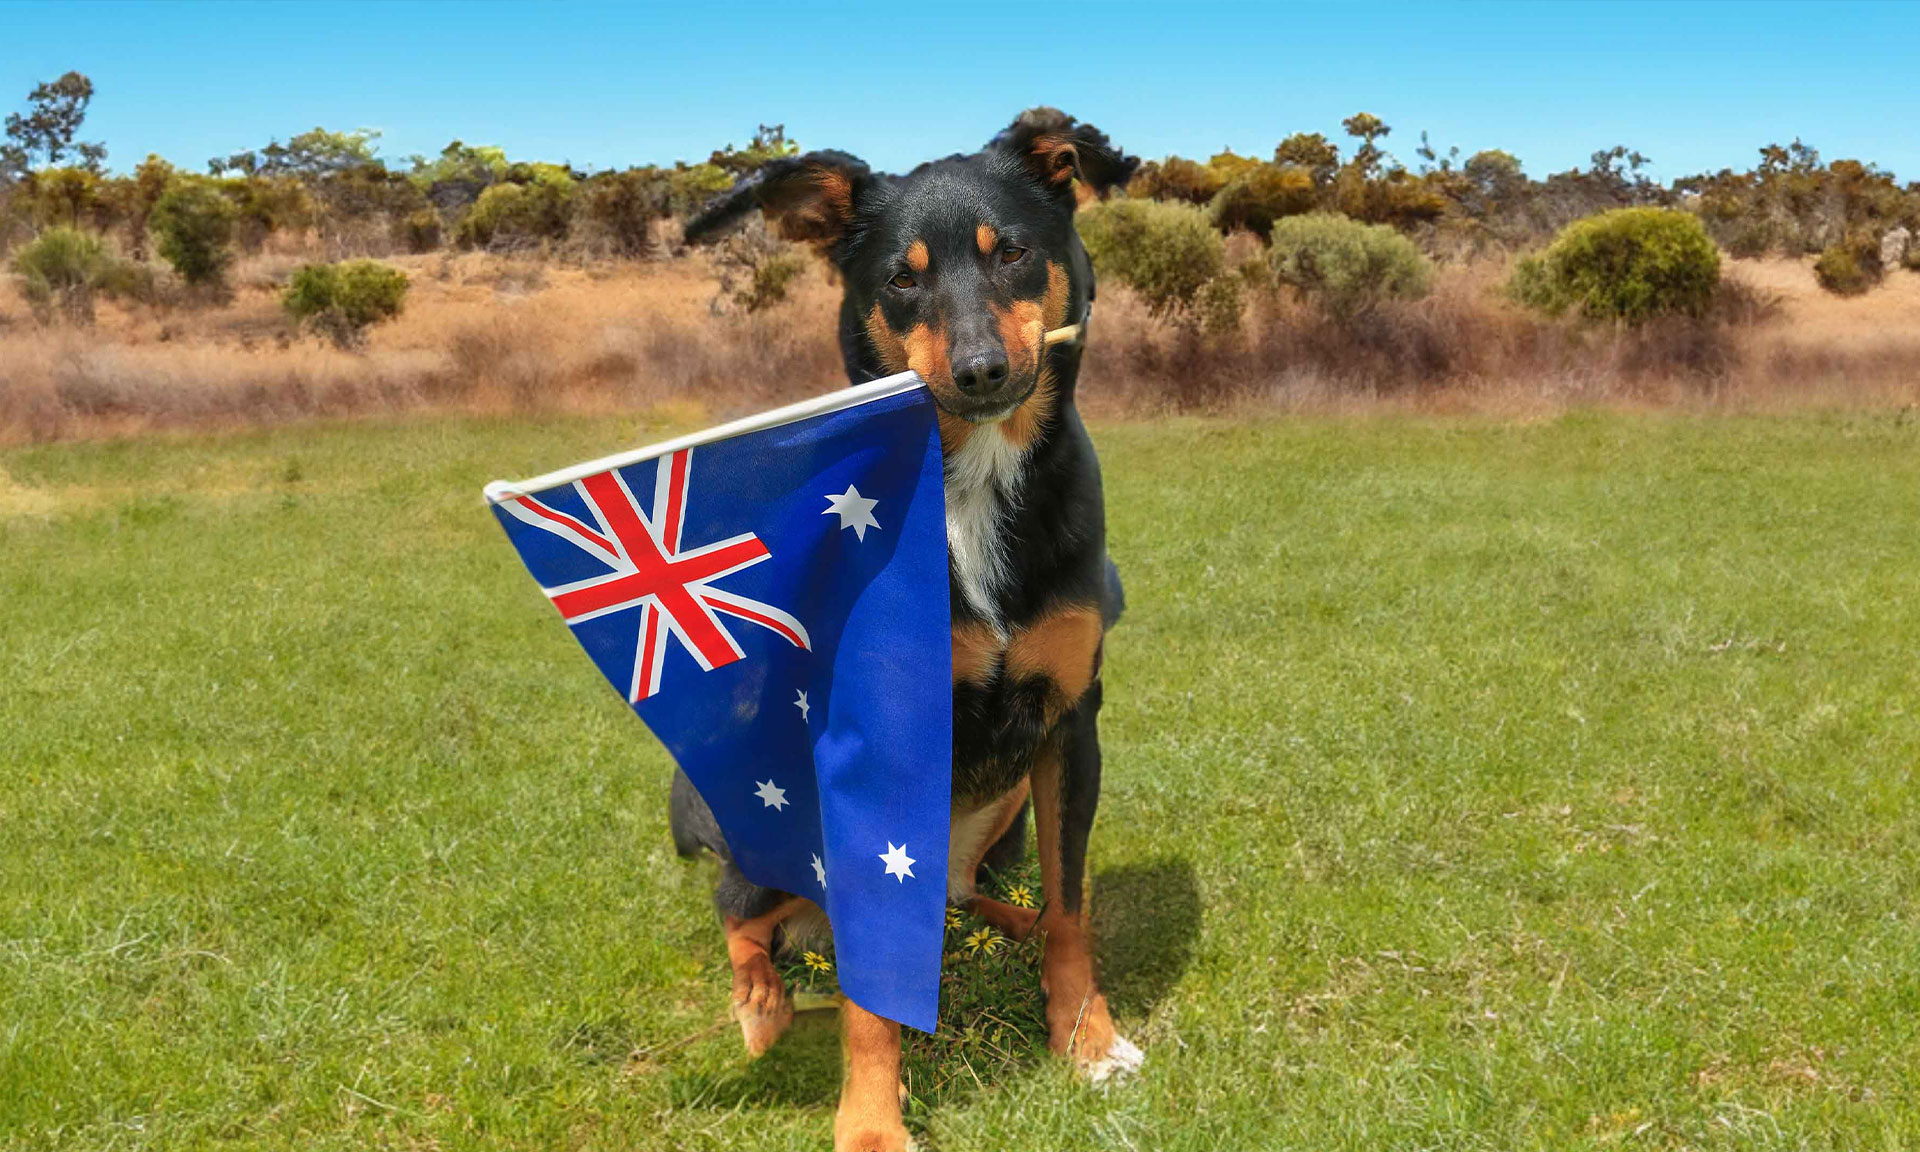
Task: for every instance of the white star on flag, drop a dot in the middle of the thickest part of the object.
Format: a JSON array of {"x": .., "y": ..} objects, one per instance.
[
  {"x": 806, "y": 709},
  {"x": 771, "y": 797},
  {"x": 819, "y": 870},
  {"x": 899, "y": 864},
  {"x": 855, "y": 511}
]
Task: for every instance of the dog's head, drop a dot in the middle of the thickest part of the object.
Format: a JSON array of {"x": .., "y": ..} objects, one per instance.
[{"x": 956, "y": 269}]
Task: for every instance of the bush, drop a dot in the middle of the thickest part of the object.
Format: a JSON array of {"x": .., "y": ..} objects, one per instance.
[
  {"x": 1346, "y": 267},
  {"x": 63, "y": 269},
  {"x": 1629, "y": 264},
  {"x": 192, "y": 226},
  {"x": 420, "y": 231},
  {"x": 341, "y": 301},
  {"x": 1851, "y": 267},
  {"x": 1253, "y": 200},
  {"x": 514, "y": 215},
  {"x": 1165, "y": 251}
]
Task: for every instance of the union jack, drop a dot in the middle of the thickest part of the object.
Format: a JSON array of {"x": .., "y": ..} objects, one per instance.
[{"x": 654, "y": 574}]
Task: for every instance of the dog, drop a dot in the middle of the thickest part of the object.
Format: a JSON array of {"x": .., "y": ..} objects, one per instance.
[{"x": 957, "y": 270}]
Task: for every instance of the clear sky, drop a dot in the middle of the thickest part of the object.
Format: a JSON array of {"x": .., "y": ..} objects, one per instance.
[{"x": 1695, "y": 86}]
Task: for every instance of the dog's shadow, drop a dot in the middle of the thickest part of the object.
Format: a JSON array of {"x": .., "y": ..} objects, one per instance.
[{"x": 1146, "y": 920}]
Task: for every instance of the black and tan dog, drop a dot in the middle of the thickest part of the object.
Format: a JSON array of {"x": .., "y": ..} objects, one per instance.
[{"x": 957, "y": 270}]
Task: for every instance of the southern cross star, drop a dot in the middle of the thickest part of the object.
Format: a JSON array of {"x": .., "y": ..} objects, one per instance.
[
  {"x": 806, "y": 709},
  {"x": 771, "y": 797},
  {"x": 819, "y": 870},
  {"x": 855, "y": 511},
  {"x": 899, "y": 864}
]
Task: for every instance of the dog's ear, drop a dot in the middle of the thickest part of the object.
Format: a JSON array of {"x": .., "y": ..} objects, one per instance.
[
  {"x": 808, "y": 199},
  {"x": 1058, "y": 150}
]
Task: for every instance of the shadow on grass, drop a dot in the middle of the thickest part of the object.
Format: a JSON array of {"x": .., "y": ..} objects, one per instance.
[
  {"x": 802, "y": 1070},
  {"x": 1145, "y": 919}
]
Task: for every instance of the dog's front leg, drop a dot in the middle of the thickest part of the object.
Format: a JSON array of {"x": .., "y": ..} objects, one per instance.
[
  {"x": 1066, "y": 788},
  {"x": 869, "y": 1115}
]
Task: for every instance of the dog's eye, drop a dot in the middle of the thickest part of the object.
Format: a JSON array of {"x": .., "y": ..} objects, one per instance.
[
  {"x": 1011, "y": 254},
  {"x": 903, "y": 280}
]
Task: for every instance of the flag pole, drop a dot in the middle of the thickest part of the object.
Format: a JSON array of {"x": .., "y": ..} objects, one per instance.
[{"x": 836, "y": 401}]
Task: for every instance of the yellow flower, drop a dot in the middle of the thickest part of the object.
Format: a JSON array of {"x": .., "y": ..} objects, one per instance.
[
  {"x": 953, "y": 918},
  {"x": 1020, "y": 896},
  {"x": 984, "y": 941},
  {"x": 817, "y": 962}
]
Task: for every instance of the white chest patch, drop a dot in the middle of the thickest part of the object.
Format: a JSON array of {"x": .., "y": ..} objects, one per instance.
[{"x": 983, "y": 483}]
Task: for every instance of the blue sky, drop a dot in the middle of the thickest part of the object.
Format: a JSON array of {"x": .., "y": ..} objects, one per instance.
[{"x": 1695, "y": 86}]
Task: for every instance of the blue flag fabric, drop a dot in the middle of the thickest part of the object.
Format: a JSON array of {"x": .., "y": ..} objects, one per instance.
[{"x": 774, "y": 605}]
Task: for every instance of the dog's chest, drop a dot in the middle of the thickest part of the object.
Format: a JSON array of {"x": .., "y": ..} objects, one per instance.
[{"x": 983, "y": 487}]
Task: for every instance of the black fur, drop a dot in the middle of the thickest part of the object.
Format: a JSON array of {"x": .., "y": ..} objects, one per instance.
[{"x": 1023, "y": 184}]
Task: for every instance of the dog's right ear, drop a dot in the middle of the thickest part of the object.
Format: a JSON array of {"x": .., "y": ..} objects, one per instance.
[{"x": 807, "y": 199}]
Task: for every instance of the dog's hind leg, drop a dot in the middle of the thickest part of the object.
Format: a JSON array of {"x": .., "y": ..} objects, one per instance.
[{"x": 1066, "y": 789}]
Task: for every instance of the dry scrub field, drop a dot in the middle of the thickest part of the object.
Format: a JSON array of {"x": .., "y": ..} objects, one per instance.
[{"x": 491, "y": 334}]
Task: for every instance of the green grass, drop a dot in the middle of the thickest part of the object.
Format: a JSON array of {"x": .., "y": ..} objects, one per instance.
[{"x": 1469, "y": 785}]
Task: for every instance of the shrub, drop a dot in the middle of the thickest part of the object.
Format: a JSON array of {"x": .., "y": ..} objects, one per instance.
[
  {"x": 511, "y": 215},
  {"x": 1165, "y": 251},
  {"x": 63, "y": 269},
  {"x": 1346, "y": 267},
  {"x": 1256, "y": 198},
  {"x": 617, "y": 210},
  {"x": 192, "y": 226},
  {"x": 1629, "y": 264},
  {"x": 420, "y": 231},
  {"x": 1851, "y": 267},
  {"x": 341, "y": 301}
]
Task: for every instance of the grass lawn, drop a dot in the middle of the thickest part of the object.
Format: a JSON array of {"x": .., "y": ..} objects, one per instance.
[{"x": 1469, "y": 785}]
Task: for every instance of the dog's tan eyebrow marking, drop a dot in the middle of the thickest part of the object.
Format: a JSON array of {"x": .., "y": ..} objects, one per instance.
[
  {"x": 917, "y": 257},
  {"x": 986, "y": 238}
]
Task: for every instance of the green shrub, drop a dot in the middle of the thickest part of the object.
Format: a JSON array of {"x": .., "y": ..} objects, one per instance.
[
  {"x": 1165, "y": 251},
  {"x": 1253, "y": 200},
  {"x": 341, "y": 301},
  {"x": 192, "y": 226},
  {"x": 1629, "y": 264},
  {"x": 1851, "y": 267},
  {"x": 521, "y": 214},
  {"x": 1346, "y": 267},
  {"x": 63, "y": 269}
]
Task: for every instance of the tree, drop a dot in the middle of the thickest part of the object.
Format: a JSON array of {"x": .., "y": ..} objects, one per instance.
[
  {"x": 1311, "y": 151},
  {"x": 1368, "y": 128},
  {"x": 56, "y": 111}
]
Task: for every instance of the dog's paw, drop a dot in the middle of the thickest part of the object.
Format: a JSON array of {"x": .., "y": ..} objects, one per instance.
[
  {"x": 879, "y": 1138},
  {"x": 1123, "y": 1058},
  {"x": 760, "y": 1004}
]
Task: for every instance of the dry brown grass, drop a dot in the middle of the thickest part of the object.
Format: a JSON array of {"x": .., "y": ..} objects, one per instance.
[{"x": 497, "y": 334}]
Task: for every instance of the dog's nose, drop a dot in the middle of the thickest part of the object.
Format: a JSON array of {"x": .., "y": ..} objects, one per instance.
[{"x": 980, "y": 373}]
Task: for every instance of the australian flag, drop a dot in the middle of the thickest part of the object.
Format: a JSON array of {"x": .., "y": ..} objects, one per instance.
[{"x": 771, "y": 598}]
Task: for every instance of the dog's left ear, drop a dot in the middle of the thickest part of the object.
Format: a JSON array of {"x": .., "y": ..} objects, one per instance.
[{"x": 1058, "y": 150}]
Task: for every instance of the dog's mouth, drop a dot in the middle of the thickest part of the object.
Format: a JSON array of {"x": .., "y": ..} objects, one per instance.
[{"x": 985, "y": 409}]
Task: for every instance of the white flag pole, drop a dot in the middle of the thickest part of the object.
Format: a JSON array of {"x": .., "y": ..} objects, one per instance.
[{"x": 837, "y": 401}]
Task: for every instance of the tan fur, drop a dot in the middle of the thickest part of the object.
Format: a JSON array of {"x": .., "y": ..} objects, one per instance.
[
  {"x": 1062, "y": 645},
  {"x": 1061, "y": 159},
  {"x": 976, "y": 652},
  {"x": 1023, "y": 328},
  {"x": 760, "y": 1001},
  {"x": 1079, "y": 1024},
  {"x": 917, "y": 257},
  {"x": 986, "y": 238},
  {"x": 868, "y": 1119}
]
